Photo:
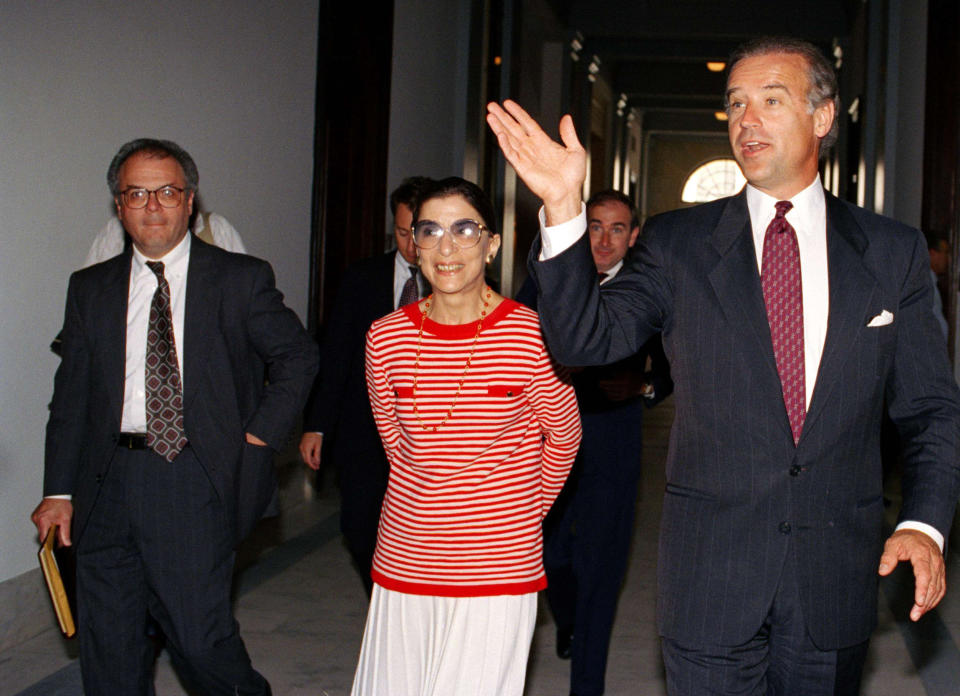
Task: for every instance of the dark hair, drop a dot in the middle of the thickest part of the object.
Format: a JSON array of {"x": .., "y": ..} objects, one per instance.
[
  {"x": 455, "y": 186},
  {"x": 153, "y": 148},
  {"x": 820, "y": 74},
  {"x": 614, "y": 196},
  {"x": 407, "y": 192}
]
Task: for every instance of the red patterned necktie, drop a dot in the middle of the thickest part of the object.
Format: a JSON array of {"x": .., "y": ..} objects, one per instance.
[
  {"x": 164, "y": 398},
  {"x": 783, "y": 297}
]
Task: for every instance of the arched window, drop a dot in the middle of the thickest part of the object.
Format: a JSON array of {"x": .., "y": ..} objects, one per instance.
[{"x": 712, "y": 180}]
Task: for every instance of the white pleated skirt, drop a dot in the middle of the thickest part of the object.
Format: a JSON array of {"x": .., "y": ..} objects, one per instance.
[{"x": 417, "y": 645}]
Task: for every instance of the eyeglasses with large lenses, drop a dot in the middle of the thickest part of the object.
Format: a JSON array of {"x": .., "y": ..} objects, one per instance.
[
  {"x": 167, "y": 197},
  {"x": 463, "y": 233}
]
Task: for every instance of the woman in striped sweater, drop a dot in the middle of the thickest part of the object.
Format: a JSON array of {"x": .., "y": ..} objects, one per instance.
[{"x": 480, "y": 431}]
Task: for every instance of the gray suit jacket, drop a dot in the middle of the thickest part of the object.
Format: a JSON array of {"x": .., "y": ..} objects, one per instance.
[
  {"x": 247, "y": 363},
  {"x": 740, "y": 496}
]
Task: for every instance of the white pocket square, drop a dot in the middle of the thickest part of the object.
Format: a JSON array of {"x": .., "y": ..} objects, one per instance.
[{"x": 882, "y": 319}]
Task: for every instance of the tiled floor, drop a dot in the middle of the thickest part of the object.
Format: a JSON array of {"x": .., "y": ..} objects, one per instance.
[{"x": 302, "y": 608}]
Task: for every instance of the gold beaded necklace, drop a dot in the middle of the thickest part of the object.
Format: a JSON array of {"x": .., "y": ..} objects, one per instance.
[{"x": 466, "y": 368}]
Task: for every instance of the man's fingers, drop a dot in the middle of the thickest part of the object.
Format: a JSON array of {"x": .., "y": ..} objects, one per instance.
[
  {"x": 888, "y": 562},
  {"x": 64, "y": 533},
  {"x": 507, "y": 145},
  {"x": 568, "y": 134},
  {"x": 503, "y": 123},
  {"x": 522, "y": 118},
  {"x": 923, "y": 583}
]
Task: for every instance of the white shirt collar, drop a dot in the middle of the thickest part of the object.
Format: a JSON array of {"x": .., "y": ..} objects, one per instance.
[
  {"x": 174, "y": 261},
  {"x": 402, "y": 265},
  {"x": 808, "y": 205},
  {"x": 612, "y": 273}
]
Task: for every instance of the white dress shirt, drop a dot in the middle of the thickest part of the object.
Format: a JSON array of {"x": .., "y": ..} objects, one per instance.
[
  {"x": 809, "y": 218},
  {"x": 143, "y": 284}
]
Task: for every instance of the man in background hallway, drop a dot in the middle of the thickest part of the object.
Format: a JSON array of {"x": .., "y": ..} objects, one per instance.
[
  {"x": 587, "y": 533},
  {"x": 182, "y": 373},
  {"x": 790, "y": 318},
  {"x": 338, "y": 411}
]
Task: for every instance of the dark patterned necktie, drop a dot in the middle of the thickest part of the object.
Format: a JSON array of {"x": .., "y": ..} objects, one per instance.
[
  {"x": 164, "y": 398},
  {"x": 411, "y": 291},
  {"x": 783, "y": 297}
]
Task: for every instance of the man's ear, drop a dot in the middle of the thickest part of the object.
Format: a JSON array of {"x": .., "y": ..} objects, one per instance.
[
  {"x": 823, "y": 117},
  {"x": 190, "y": 203},
  {"x": 634, "y": 233}
]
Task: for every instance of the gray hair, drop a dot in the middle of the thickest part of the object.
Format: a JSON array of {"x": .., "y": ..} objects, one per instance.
[
  {"x": 153, "y": 148},
  {"x": 820, "y": 74}
]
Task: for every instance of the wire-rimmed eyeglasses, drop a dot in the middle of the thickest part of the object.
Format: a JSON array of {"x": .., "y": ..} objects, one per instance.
[{"x": 464, "y": 233}]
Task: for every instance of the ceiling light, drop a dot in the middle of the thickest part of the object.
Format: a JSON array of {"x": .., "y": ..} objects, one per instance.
[
  {"x": 716, "y": 65},
  {"x": 720, "y": 115}
]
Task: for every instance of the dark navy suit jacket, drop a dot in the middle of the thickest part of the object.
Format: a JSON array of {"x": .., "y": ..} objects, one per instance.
[
  {"x": 247, "y": 367},
  {"x": 739, "y": 494},
  {"x": 339, "y": 406}
]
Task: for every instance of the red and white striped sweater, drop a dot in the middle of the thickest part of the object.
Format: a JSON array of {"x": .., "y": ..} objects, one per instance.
[{"x": 463, "y": 507}]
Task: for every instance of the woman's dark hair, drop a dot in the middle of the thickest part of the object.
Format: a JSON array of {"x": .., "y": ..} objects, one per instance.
[{"x": 469, "y": 191}]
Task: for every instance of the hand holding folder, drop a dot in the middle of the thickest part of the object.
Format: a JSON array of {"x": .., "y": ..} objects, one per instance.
[{"x": 51, "y": 574}]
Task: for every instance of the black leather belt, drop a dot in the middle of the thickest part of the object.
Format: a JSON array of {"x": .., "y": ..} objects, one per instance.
[{"x": 134, "y": 441}]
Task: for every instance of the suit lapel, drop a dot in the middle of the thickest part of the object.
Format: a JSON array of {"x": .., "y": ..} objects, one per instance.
[
  {"x": 112, "y": 326},
  {"x": 736, "y": 282},
  {"x": 852, "y": 288},
  {"x": 199, "y": 315},
  {"x": 385, "y": 284}
]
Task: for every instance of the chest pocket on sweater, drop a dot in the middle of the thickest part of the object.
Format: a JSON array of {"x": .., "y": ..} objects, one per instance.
[{"x": 505, "y": 390}]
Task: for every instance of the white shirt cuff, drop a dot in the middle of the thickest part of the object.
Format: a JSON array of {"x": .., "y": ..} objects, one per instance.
[
  {"x": 557, "y": 239},
  {"x": 61, "y": 496},
  {"x": 922, "y": 527}
]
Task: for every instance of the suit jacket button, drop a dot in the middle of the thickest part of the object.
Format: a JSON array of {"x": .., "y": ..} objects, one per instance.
[
  {"x": 99, "y": 478},
  {"x": 784, "y": 527},
  {"x": 795, "y": 470}
]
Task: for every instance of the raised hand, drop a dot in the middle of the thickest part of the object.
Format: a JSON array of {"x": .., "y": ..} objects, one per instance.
[{"x": 554, "y": 172}]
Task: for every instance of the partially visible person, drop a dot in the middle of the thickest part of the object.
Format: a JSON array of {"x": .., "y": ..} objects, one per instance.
[
  {"x": 480, "y": 431},
  {"x": 338, "y": 412},
  {"x": 939, "y": 248},
  {"x": 210, "y": 227},
  {"x": 183, "y": 373},
  {"x": 588, "y": 531}
]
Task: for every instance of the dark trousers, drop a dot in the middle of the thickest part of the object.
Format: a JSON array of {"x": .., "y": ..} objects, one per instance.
[
  {"x": 158, "y": 541},
  {"x": 362, "y": 487},
  {"x": 587, "y": 544},
  {"x": 780, "y": 660}
]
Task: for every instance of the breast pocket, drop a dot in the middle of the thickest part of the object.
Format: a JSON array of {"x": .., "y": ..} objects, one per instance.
[{"x": 504, "y": 391}]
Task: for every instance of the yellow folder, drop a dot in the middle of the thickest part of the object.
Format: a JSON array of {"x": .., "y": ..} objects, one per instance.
[{"x": 51, "y": 573}]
